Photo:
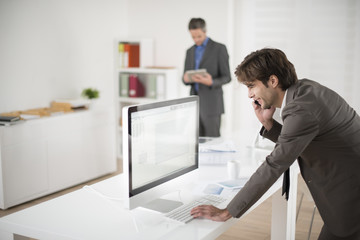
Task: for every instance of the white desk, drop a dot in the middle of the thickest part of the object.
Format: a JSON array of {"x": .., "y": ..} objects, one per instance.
[{"x": 84, "y": 214}]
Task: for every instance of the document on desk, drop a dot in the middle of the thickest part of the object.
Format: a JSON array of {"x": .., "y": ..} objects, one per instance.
[
  {"x": 224, "y": 188},
  {"x": 217, "y": 146},
  {"x": 216, "y": 189},
  {"x": 234, "y": 183}
]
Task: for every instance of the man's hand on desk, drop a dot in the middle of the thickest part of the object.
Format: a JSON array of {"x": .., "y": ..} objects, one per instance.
[{"x": 211, "y": 212}]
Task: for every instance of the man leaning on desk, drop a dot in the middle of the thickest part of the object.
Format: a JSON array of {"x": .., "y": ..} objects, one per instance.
[{"x": 319, "y": 129}]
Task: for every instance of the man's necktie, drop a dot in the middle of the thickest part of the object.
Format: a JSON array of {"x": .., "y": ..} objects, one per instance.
[{"x": 286, "y": 184}]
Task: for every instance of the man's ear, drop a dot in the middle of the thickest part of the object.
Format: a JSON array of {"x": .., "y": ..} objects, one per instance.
[{"x": 273, "y": 81}]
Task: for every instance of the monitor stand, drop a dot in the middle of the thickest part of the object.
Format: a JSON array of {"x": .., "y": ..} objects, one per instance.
[{"x": 163, "y": 205}]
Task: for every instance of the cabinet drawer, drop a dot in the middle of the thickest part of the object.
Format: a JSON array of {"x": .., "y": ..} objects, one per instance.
[
  {"x": 24, "y": 169},
  {"x": 28, "y": 131}
]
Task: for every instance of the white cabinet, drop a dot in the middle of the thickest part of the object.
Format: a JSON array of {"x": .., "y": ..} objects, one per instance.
[
  {"x": 24, "y": 171},
  {"x": 45, "y": 155}
]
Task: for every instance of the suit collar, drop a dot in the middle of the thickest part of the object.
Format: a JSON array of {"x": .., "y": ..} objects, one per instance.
[
  {"x": 288, "y": 97},
  {"x": 283, "y": 103},
  {"x": 291, "y": 92}
]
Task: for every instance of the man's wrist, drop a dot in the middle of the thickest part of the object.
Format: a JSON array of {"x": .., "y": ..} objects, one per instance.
[
  {"x": 268, "y": 124},
  {"x": 225, "y": 215}
]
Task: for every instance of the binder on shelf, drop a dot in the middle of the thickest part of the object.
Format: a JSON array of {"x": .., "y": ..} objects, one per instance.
[
  {"x": 151, "y": 86},
  {"x": 124, "y": 85},
  {"x": 134, "y": 55},
  {"x": 126, "y": 54},
  {"x": 136, "y": 88},
  {"x": 160, "y": 86},
  {"x": 123, "y": 55}
]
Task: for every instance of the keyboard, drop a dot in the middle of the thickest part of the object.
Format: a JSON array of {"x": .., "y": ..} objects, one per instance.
[{"x": 182, "y": 214}]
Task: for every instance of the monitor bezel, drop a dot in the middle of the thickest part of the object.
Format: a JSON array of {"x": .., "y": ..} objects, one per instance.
[{"x": 142, "y": 107}]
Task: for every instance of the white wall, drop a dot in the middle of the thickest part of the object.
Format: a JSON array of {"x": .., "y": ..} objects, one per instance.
[
  {"x": 53, "y": 49},
  {"x": 321, "y": 38}
]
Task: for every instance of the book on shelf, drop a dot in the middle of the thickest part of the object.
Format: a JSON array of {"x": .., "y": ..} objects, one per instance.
[
  {"x": 9, "y": 119},
  {"x": 134, "y": 55},
  {"x": 123, "y": 56},
  {"x": 124, "y": 85},
  {"x": 136, "y": 88}
]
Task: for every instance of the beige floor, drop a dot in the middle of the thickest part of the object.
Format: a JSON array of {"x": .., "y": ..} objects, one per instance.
[
  {"x": 257, "y": 224},
  {"x": 254, "y": 226}
]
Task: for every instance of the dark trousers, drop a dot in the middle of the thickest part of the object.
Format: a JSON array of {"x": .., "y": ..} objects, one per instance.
[
  {"x": 209, "y": 126},
  {"x": 325, "y": 234}
]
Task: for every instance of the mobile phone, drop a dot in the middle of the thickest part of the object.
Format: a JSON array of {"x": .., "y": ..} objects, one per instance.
[{"x": 257, "y": 103}]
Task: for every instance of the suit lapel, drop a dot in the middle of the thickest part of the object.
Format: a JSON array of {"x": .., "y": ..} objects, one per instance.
[
  {"x": 206, "y": 52},
  {"x": 192, "y": 57}
]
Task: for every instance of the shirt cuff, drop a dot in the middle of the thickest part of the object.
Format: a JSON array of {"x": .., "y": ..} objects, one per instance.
[{"x": 273, "y": 133}]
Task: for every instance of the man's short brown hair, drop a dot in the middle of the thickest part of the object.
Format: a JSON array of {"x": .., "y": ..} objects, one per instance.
[
  {"x": 261, "y": 64},
  {"x": 197, "y": 23}
]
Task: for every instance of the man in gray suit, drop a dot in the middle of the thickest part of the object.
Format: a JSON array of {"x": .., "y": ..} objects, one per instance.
[
  {"x": 319, "y": 129},
  {"x": 212, "y": 56}
]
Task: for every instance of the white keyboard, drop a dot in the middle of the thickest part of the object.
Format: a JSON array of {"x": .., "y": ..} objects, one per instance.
[{"x": 182, "y": 213}]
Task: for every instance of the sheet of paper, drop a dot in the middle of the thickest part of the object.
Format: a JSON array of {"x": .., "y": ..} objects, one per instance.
[
  {"x": 217, "y": 146},
  {"x": 236, "y": 183}
]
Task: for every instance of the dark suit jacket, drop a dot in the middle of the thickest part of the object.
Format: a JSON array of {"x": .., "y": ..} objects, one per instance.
[
  {"x": 216, "y": 61},
  {"x": 323, "y": 132}
]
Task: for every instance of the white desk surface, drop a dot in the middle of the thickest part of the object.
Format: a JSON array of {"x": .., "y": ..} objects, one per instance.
[{"x": 85, "y": 214}]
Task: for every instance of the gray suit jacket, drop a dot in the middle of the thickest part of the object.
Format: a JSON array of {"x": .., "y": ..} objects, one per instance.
[
  {"x": 216, "y": 61},
  {"x": 323, "y": 132}
]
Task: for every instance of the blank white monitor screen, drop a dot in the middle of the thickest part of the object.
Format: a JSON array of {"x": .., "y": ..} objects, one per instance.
[{"x": 162, "y": 142}]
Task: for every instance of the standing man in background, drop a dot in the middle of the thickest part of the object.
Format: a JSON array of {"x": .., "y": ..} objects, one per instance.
[{"x": 212, "y": 56}]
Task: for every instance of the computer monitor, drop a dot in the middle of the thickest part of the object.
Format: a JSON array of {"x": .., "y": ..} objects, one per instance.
[{"x": 160, "y": 151}]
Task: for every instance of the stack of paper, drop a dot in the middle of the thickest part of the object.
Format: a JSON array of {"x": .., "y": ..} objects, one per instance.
[
  {"x": 217, "y": 146},
  {"x": 9, "y": 120}
]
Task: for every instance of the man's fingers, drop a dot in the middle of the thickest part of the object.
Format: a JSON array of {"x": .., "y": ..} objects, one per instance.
[{"x": 200, "y": 211}]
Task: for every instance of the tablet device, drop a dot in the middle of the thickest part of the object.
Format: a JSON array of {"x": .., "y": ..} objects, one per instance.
[{"x": 191, "y": 73}]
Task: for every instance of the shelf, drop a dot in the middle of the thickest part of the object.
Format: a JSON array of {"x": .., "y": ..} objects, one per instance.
[
  {"x": 151, "y": 83},
  {"x": 138, "y": 100}
]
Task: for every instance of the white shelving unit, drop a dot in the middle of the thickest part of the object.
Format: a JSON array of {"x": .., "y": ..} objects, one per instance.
[
  {"x": 165, "y": 89},
  {"x": 163, "y": 82}
]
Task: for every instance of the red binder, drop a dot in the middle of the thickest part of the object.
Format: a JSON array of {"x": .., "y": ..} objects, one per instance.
[
  {"x": 134, "y": 55},
  {"x": 136, "y": 88}
]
